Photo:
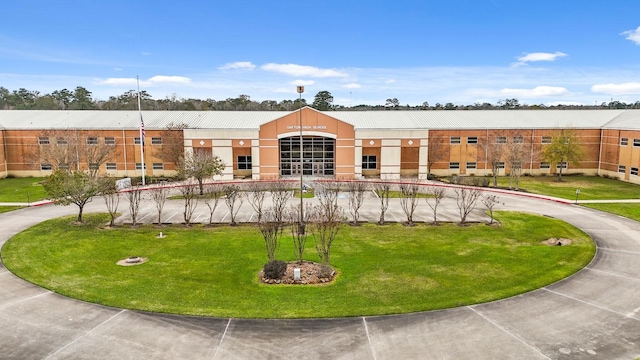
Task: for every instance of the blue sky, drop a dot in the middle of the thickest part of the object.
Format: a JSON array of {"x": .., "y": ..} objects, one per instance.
[{"x": 363, "y": 52}]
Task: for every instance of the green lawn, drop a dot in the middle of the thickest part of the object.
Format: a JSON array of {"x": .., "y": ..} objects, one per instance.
[
  {"x": 21, "y": 190},
  {"x": 629, "y": 210},
  {"x": 591, "y": 187},
  {"x": 214, "y": 271},
  {"x": 4, "y": 209}
]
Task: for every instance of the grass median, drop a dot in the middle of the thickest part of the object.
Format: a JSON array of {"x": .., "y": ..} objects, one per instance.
[{"x": 214, "y": 271}]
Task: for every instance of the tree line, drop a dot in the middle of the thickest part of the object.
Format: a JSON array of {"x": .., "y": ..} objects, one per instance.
[{"x": 82, "y": 99}]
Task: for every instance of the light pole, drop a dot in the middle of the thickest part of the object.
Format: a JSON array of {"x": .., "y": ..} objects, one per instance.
[{"x": 300, "y": 90}]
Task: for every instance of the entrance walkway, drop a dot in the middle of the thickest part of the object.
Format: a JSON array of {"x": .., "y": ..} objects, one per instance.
[{"x": 594, "y": 314}]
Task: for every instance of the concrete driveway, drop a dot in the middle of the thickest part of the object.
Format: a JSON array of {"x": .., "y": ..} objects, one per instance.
[{"x": 594, "y": 314}]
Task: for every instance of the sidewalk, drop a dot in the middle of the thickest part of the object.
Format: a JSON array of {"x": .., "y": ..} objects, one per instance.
[{"x": 24, "y": 204}]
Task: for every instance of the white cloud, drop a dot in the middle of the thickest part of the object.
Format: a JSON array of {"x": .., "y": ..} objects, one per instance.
[
  {"x": 537, "y": 92},
  {"x": 617, "y": 89},
  {"x": 117, "y": 81},
  {"x": 155, "y": 80},
  {"x": 239, "y": 65},
  {"x": 146, "y": 53},
  {"x": 302, "y": 82},
  {"x": 168, "y": 79},
  {"x": 539, "y": 56},
  {"x": 556, "y": 103},
  {"x": 633, "y": 35},
  {"x": 352, "y": 86},
  {"x": 303, "y": 70}
]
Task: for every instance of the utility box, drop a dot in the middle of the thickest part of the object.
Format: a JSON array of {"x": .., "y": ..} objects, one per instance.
[{"x": 296, "y": 274}]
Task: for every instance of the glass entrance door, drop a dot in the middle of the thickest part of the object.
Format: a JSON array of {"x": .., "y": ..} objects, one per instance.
[{"x": 318, "y": 156}]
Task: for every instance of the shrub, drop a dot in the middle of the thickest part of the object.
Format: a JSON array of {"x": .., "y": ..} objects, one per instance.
[{"x": 274, "y": 269}]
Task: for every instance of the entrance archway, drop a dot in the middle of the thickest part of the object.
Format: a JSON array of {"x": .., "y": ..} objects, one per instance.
[{"x": 318, "y": 156}]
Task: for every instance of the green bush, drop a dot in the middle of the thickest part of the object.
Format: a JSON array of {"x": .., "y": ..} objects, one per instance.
[{"x": 274, "y": 269}]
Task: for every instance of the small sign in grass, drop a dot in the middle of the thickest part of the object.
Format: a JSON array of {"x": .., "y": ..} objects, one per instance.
[{"x": 214, "y": 271}]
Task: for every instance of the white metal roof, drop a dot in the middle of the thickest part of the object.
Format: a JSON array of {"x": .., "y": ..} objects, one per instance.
[{"x": 382, "y": 119}]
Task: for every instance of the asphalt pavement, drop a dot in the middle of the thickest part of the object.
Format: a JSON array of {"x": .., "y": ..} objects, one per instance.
[{"x": 594, "y": 314}]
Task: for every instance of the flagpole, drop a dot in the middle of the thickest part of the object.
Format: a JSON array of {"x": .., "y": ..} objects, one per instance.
[{"x": 141, "y": 133}]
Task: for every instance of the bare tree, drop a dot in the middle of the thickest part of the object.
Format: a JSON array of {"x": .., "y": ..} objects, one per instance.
[
  {"x": 232, "y": 194},
  {"x": 382, "y": 190},
  {"x": 271, "y": 231},
  {"x": 298, "y": 233},
  {"x": 172, "y": 149},
  {"x": 517, "y": 153},
  {"x": 134, "y": 195},
  {"x": 438, "y": 149},
  {"x": 328, "y": 197},
  {"x": 280, "y": 194},
  {"x": 490, "y": 200},
  {"x": 325, "y": 221},
  {"x": 189, "y": 193},
  {"x": 466, "y": 199},
  {"x": 409, "y": 200},
  {"x": 255, "y": 196},
  {"x": 159, "y": 196},
  {"x": 111, "y": 198},
  {"x": 212, "y": 195},
  {"x": 437, "y": 194},
  {"x": 355, "y": 190},
  {"x": 491, "y": 150},
  {"x": 96, "y": 153},
  {"x": 58, "y": 148}
]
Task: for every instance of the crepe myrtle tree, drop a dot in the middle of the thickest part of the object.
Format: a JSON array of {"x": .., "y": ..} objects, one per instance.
[
  {"x": 189, "y": 194},
  {"x": 436, "y": 195},
  {"x": 111, "y": 198},
  {"x": 382, "y": 191}
]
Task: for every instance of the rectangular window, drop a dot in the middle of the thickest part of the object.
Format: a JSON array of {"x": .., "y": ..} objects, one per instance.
[
  {"x": 92, "y": 141},
  {"x": 471, "y": 165},
  {"x": 111, "y": 166},
  {"x": 454, "y": 165},
  {"x": 624, "y": 141},
  {"x": 63, "y": 166},
  {"x": 46, "y": 167},
  {"x": 545, "y": 165},
  {"x": 518, "y": 139},
  {"x": 562, "y": 165},
  {"x": 138, "y": 166},
  {"x": 136, "y": 141},
  {"x": 61, "y": 141},
  {"x": 501, "y": 139},
  {"x": 454, "y": 140},
  {"x": 369, "y": 162},
  {"x": 109, "y": 141},
  {"x": 244, "y": 162},
  {"x": 516, "y": 165},
  {"x": 501, "y": 165},
  {"x": 622, "y": 169},
  {"x": 93, "y": 166},
  {"x": 546, "y": 140},
  {"x": 43, "y": 140},
  {"x": 156, "y": 141},
  {"x": 158, "y": 166},
  {"x": 636, "y": 142},
  {"x": 634, "y": 171},
  {"x": 472, "y": 140}
]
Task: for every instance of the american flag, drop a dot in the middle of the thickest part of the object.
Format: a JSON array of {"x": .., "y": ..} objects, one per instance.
[{"x": 142, "y": 130}]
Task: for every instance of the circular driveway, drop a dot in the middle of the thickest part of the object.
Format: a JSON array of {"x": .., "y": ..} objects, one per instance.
[{"x": 595, "y": 314}]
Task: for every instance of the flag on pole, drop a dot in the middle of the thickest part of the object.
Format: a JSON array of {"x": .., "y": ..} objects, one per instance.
[{"x": 142, "y": 133}]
